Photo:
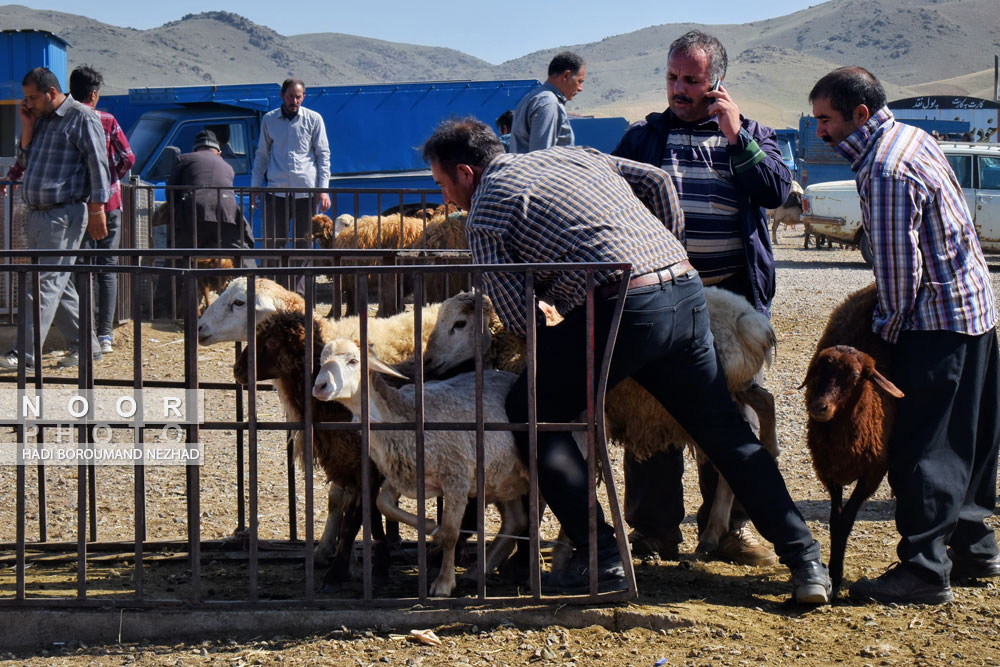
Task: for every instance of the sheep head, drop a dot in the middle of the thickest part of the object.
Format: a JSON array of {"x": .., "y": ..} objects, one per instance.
[
  {"x": 280, "y": 347},
  {"x": 835, "y": 378},
  {"x": 225, "y": 319},
  {"x": 452, "y": 341},
  {"x": 323, "y": 230},
  {"x": 339, "y": 375}
]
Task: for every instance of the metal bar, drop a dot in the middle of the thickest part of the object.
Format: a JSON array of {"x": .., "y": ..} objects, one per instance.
[
  {"x": 308, "y": 434},
  {"x": 241, "y": 503},
  {"x": 591, "y": 458},
  {"x": 418, "y": 416},
  {"x": 480, "y": 444},
  {"x": 534, "y": 556},
  {"x": 139, "y": 490},
  {"x": 366, "y": 477},
  {"x": 19, "y": 431},
  {"x": 252, "y": 432},
  {"x": 193, "y": 468}
]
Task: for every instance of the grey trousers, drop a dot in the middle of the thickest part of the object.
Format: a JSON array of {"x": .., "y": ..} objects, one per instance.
[{"x": 60, "y": 228}]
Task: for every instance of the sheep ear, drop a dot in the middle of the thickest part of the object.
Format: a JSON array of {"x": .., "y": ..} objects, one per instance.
[
  {"x": 382, "y": 367},
  {"x": 265, "y": 306},
  {"x": 883, "y": 382},
  {"x": 809, "y": 375}
]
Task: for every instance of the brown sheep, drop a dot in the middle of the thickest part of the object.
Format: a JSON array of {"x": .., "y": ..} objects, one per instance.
[
  {"x": 210, "y": 284},
  {"x": 850, "y": 415},
  {"x": 280, "y": 350},
  {"x": 444, "y": 232},
  {"x": 367, "y": 232}
]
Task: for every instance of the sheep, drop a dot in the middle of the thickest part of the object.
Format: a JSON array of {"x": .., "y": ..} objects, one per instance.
[
  {"x": 449, "y": 456},
  {"x": 445, "y": 231},
  {"x": 392, "y": 338},
  {"x": 744, "y": 341},
  {"x": 368, "y": 231},
  {"x": 789, "y": 213},
  {"x": 280, "y": 351},
  {"x": 850, "y": 414},
  {"x": 225, "y": 319},
  {"x": 210, "y": 284}
]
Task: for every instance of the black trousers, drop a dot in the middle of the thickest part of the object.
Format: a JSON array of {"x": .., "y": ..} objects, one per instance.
[
  {"x": 278, "y": 211},
  {"x": 665, "y": 344},
  {"x": 654, "y": 488},
  {"x": 943, "y": 449}
]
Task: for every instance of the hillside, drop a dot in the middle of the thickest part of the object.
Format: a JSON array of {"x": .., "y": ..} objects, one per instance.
[{"x": 915, "y": 46}]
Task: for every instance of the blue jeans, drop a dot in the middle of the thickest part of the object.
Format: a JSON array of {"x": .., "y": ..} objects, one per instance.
[
  {"x": 106, "y": 284},
  {"x": 665, "y": 344}
]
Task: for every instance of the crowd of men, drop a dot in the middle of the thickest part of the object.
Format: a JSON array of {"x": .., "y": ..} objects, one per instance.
[{"x": 681, "y": 199}]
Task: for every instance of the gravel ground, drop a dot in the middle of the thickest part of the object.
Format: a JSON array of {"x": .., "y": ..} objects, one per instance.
[{"x": 724, "y": 614}]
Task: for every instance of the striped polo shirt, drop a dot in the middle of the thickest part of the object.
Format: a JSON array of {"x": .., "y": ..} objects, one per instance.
[
  {"x": 699, "y": 165},
  {"x": 929, "y": 267}
]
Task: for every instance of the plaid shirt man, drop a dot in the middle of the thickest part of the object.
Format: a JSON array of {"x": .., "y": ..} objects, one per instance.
[
  {"x": 119, "y": 154},
  {"x": 540, "y": 207},
  {"x": 66, "y": 161},
  {"x": 929, "y": 266}
]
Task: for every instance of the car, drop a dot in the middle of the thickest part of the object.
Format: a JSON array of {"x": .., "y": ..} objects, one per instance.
[{"x": 833, "y": 210}]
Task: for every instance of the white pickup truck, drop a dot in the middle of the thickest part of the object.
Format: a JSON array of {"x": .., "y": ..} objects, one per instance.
[{"x": 832, "y": 209}]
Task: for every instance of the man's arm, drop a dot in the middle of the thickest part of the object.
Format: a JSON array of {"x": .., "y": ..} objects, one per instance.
[
  {"x": 263, "y": 154},
  {"x": 93, "y": 147},
  {"x": 321, "y": 149},
  {"x": 119, "y": 142},
  {"x": 543, "y": 122},
  {"x": 506, "y": 290},
  {"x": 655, "y": 189},
  {"x": 758, "y": 170},
  {"x": 894, "y": 212}
]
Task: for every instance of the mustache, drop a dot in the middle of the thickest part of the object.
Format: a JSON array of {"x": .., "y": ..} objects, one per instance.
[
  {"x": 682, "y": 98},
  {"x": 828, "y": 139}
]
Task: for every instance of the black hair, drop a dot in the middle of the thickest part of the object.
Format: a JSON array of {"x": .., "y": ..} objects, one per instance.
[
  {"x": 506, "y": 119},
  {"x": 291, "y": 82},
  {"x": 696, "y": 40},
  {"x": 83, "y": 81},
  {"x": 848, "y": 87},
  {"x": 42, "y": 79},
  {"x": 567, "y": 60},
  {"x": 462, "y": 141}
]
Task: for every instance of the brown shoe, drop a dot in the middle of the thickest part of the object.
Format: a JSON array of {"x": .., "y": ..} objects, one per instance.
[
  {"x": 740, "y": 546},
  {"x": 644, "y": 546}
]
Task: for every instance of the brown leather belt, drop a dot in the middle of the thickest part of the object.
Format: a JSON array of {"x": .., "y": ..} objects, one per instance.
[{"x": 667, "y": 275}]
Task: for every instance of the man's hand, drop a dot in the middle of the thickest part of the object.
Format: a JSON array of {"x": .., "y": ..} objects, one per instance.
[
  {"x": 26, "y": 114},
  {"x": 726, "y": 113},
  {"x": 97, "y": 222},
  {"x": 324, "y": 202},
  {"x": 255, "y": 199}
]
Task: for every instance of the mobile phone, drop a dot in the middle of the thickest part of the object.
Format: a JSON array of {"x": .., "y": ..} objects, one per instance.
[{"x": 715, "y": 86}]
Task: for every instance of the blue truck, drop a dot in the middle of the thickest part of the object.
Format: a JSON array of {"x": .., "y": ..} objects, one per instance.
[{"x": 375, "y": 131}]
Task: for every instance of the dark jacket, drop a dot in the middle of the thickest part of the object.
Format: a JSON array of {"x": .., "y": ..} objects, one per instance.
[
  {"x": 212, "y": 205},
  {"x": 765, "y": 185}
]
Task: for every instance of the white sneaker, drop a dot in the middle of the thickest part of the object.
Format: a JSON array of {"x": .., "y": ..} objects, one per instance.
[{"x": 105, "y": 343}]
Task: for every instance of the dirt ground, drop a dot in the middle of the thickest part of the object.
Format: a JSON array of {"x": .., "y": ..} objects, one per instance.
[{"x": 719, "y": 614}]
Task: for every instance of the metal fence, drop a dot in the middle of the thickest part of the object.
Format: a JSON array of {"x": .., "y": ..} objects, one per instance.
[{"x": 111, "y": 559}]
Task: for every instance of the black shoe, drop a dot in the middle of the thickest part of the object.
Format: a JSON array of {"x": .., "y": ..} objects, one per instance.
[
  {"x": 970, "y": 567},
  {"x": 646, "y": 546},
  {"x": 72, "y": 358},
  {"x": 811, "y": 583},
  {"x": 575, "y": 578},
  {"x": 900, "y": 585}
]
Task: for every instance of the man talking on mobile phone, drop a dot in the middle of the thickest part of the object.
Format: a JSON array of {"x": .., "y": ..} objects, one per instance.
[
  {"x": 66, "y": 184},
  {"x": 727, "y": 169}
]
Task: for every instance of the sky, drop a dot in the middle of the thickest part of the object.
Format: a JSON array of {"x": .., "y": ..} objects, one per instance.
[{"x": 495, "y": 31}]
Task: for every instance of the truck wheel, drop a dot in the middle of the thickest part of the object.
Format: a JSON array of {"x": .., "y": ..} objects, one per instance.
[{"x": 866, "y": 249}]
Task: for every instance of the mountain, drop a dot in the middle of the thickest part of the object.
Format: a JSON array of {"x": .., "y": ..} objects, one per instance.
[{"x": 916, "y": 47}]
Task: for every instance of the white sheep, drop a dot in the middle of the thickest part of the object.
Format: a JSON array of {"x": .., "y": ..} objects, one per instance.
[
  {"x": 744, "y": 340},
  {"x": 225, "y": 319},
  {"x": 449, "y": 456}
]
